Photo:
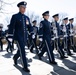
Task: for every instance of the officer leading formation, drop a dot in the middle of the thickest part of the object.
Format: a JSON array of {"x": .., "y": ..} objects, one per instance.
[
  {"x": 18, "y": 27},
  {"x": 49, "y": 37}
]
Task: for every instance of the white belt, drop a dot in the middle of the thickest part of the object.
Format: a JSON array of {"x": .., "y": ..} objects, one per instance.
[{"x": 61, "y": 38}]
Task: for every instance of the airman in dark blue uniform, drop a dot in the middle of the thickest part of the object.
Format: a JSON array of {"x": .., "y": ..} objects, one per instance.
[
  {"x": 29, "y": 40},
  {"x": 61, "y": 29},
  {"x": 62, "y": 35},
  {"x": 9, "y": 45},
  {"x": 18, "y": 28},
  {"x": 34, "y": 37},
  {"x": 71, "y": 34},
  {"x": 66, "y": 39},
  {"x": 1, "y": 37},
  {"x": 59, "y": 46},
  {"x": 45, "y": 36}
]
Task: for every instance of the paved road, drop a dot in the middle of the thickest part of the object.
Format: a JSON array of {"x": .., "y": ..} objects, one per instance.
[{"x": 37, "y": 67}]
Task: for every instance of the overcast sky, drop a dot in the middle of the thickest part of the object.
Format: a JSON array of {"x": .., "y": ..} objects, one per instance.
[
  {"x": 39, "y": 6},
  {"x": 54, "y": 6}
]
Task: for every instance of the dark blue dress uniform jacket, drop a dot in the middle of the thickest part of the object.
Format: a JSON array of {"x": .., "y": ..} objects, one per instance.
[
  {"x": 18, "y": 27},
  {"x": 35, "y": 30},
  {"x": 68, "y": 28},
  {"x": 45, "y": 30},
  {"x": 45, "y": 34},
  {"x": 2, "y": 34},
  {"x": 61, "y": 30},
  {"x": 58, "y": 28}
]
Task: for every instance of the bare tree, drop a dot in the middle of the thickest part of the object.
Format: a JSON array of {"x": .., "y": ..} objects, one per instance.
[
  {"x": 33, "y": 16},
  {"x": 61, "y": 16},
  {"x": 3, "y": 4}
]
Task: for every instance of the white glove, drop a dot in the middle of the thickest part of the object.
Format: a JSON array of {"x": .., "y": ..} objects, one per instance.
[
  {"x": 53, "y": 38},
  {"x": 41, "y": 39},
  {"x": 7, "y": 35},
  {"x": 65, "y": 35},
  {"x": 71, "y": 31},
  {"x": 33, "y": 36},
  {"x": 10, "y": 39}
]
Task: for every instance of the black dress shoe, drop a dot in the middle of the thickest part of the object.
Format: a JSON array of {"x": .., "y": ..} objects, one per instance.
[
  {"x": 70, "y": 54},
  {"x": 53, "y": 62},
  {"x": 7, "y": 50},
  {"x": 74, "y": 51},
  {"x": 1, "y": 49},
  {"x": 11, "y": 50},
  {"x": 65, "y": 49},
  {"x": 15, "y": 61},
  {"x": 26, "y": 69},
  {"x": 63, "y": 57},
  {"x": 39, "y": 57},
  {"x": 37, "y": 52},
  {"x": 31, "y": 51}
]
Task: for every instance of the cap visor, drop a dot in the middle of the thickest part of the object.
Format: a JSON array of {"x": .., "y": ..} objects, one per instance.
[{"x": 23, "y": 6}]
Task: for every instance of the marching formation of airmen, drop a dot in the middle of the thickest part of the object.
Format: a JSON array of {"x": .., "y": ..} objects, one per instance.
[{"x": 46, "y": 38}]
